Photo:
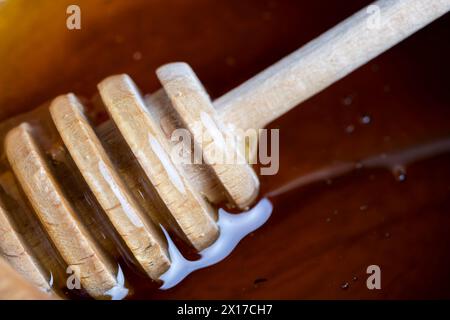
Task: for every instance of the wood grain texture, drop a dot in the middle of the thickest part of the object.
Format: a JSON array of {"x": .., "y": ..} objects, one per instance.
[
  {"x": 95, "y": 272},
  {"x": 142, "y": 237}
]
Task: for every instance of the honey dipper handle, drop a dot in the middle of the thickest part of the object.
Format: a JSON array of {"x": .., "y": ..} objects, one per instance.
[{"x": 325, "y": 60}]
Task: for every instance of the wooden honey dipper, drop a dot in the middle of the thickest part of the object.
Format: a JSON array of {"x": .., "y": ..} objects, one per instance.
[{"x": 181, "y": 193}]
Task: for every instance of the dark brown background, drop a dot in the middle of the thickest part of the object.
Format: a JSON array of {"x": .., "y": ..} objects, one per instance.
[{"x": 318, "y": 238}]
